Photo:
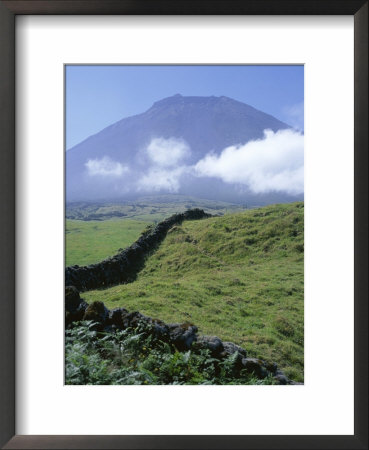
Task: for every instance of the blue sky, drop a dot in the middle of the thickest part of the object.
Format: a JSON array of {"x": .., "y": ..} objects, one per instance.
[{"x": 97, "y": 96}]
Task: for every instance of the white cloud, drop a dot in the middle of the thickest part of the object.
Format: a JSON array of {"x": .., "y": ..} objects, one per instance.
[
  {"x": 294, "y": 115},
  {"x": 274, "y": 163},
  {"x": 105, "y": 167},
  {"x": 165, "y": 165},
  {"x": 167, "y": 152},
  {"x": 157, "y": 179}
]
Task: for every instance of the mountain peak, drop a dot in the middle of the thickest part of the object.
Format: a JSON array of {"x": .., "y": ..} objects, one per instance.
[
  {"x": 179, "y": 99},
  {"x": 169, "y": 100},
  {"x": 203, "y": 124}
]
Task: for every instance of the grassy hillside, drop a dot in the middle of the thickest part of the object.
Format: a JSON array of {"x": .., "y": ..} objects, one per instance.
[
  {"x": 239, "y": 277},
  {"x": 90, "y": 242}
]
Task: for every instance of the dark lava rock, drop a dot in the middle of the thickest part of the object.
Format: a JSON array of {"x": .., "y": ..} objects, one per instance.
[
  {"x": 74, "y": 306},
  {"x": 255, "y": 366},
  {"x": 120, "y": 318},
  {"x": 160, "y": 329},
  {"x": 77, "y": 315},
  {"x": 72, "y": 299},
  {"x": 96, "y": 312},
  {"x": 182, "y": 335},
  {"x": 116, "y": 318},
  {"x": 230, "y": 348},
  {"x": 212, "y": 343},
  {"x": 133, "y": 319},
  {"x": 281, "y": 378},
  {"x": 271, "y": 367}
]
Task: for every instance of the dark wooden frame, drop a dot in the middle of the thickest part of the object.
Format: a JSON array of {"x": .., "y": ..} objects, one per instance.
[{"x": 8, "y": 11}]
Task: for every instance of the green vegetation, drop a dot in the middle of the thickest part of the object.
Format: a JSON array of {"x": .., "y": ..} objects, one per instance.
[
  {"x": 90, "y": 242},
  {"x": 134, "y": 356},
  {"x": 239, "y": 277}
]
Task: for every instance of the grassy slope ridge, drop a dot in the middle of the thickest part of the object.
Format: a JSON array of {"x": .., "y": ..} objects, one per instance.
[
  {"x": 239, "y": 277},
  {"x": 93, "y": 233},
  {"x": 90, "y": 242}
]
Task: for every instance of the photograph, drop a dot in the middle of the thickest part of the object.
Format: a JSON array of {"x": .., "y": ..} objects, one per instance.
[
  {"x": 156, "y": 159},
  {"x": 184, "y": 224}
]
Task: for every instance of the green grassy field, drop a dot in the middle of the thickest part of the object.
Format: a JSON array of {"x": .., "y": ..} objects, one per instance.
[
  {"x": 90, "y": 242},
  {"x": 240, "y": 277}
]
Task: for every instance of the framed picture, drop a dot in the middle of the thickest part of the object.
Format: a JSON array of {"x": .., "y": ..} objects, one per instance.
[{"x": 162, "y": 115}]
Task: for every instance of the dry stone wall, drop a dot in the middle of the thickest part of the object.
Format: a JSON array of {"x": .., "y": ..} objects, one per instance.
[
  {"x": 124, "y": 266},
  {"x": 183, "y": 336}
]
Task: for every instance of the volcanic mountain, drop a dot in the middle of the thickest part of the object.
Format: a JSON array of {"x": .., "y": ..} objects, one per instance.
[{"x": 153, "y": 152}]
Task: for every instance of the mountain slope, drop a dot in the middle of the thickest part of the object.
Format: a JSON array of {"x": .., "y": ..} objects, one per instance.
[
  {"x": 239, "y": 276},
  {"x": 202, "y": 124}
]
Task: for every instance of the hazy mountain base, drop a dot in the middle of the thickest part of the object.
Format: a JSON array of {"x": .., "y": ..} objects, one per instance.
[
  {"x": 239, "y": 277},
  {"x": 151, "y": 208}
]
